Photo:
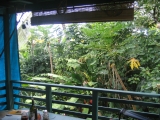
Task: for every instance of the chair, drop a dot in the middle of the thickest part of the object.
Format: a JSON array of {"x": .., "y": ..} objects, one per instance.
[{"x": 132, "y": 115}]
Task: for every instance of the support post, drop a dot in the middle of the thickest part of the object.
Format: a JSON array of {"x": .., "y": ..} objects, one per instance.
[
  {"x": 9, "y": 90},
  {"x": 48, "y": 98},
  {"x": 95, "y": 105}
]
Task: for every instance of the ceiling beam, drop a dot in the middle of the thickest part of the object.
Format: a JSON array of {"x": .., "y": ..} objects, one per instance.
[
  {"x": 40, "y": 5},
  {"x": 78, "y": 17}
]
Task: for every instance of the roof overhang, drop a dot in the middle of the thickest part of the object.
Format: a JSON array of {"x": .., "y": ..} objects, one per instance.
[
  {"x": 39, "y": 5},
  {"x": 72, "y": 11}
]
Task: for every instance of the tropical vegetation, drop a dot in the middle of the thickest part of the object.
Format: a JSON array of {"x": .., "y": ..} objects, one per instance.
[{"x": 110, "y": 55}]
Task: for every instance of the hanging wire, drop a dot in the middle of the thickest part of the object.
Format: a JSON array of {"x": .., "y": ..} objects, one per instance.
[{"x": 60, "y": 8}]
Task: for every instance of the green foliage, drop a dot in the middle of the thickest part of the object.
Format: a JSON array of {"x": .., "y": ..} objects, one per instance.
[
  {"x": 72, "y": 100},
  {"x": 85, "y": 55},
  {"x": 73, "y": 63}
]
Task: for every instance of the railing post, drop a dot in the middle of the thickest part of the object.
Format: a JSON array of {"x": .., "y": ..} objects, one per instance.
[
  {"x": 49, "y": 98},
  {"x": 9, "y": 90},
  {"x": 95, "y": 105}
]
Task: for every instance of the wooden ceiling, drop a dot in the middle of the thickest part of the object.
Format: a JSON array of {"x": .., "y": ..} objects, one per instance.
[
  {"x": 71, "y": 11},
  {"x": 40, "y": 5}
]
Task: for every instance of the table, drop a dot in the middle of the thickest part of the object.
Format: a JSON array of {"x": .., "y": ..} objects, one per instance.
[{"x": 51, "y": 116}]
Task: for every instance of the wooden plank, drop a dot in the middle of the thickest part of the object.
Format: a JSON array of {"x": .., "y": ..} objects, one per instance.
[{"x": 78, "y": 17}]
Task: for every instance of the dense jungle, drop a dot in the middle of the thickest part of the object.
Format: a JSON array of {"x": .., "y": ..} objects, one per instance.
[{"x": 121, "y": 55}]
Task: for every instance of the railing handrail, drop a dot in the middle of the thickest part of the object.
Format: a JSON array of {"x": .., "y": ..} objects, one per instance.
[
  {"x": 2, "y": 81},
  {"x": 92, "y": 89},
  {"x": 95, "y": 97}
]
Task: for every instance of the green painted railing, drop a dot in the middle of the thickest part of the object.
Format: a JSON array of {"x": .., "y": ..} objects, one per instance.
[
  {"x": 95, "y": 97},
  {"x": 3, "y": 87}
]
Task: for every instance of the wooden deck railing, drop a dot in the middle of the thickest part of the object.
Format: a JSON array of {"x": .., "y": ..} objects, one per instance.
[
  {"x": 3, "y": 94},
  {"x": 95, "y": 97}
]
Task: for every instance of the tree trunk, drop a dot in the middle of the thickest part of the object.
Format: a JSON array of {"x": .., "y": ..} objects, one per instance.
[{"x": 50, "y": 56}]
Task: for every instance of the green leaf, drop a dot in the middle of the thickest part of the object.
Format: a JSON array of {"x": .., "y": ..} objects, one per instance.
[
  {"x": 72, "y": 100},
  {"x": 28, "y": 101},
  {"x": 38, "y": 87},
  {"x": 91, "y": 83},
  {"x": 85, "y": 110},
  {"x": 25, "y": 85},
  {"x": 93, "y": 63},
  {"x": 58, "y": 106},
  {"x": 73, "y": 63},
  {"x": 54, "y": 88},
  {"x": 58, "y": 76},
  {"x": 111, "y": 104},
  {"x": 40, "y": 78},
  {"x": 77, "y": 77}
]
